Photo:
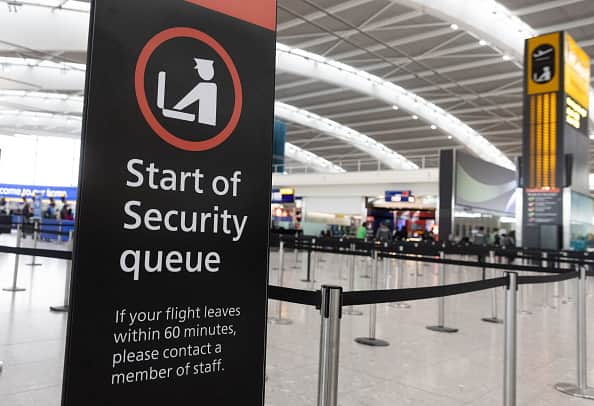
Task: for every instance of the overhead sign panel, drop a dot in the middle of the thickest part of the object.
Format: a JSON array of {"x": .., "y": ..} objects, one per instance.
[
  {"x": 577, "y": 72},
  {"x": 171, "y": 252},
  {"x": 543, "y": 63}
]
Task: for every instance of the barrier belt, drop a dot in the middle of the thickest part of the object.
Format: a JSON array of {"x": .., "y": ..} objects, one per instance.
[
  {"x": 400, "y": 295},
  {"x": 299, "y": 296},
  {"x": 529, "y": 280},
  {"x": 37, "y": 252},
  {"x": 489, "y": 265}
]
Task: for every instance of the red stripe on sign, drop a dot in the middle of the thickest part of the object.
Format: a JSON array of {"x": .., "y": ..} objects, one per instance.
[{"x": 258, "y": 12}]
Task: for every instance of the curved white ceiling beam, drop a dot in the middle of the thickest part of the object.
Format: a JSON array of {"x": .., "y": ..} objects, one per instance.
[
  {"x": 58, "y": 103},
  {"x": 61, "y": 113},
  {"x": 41, "y": 101},
  {"x": 366, "y": 144},
  {"x": 487, "y": 20},
  {"x": 33, "y": 122},
  {"x": 304, "y": 63},
  {"x": 311, "y": 160},
  {"x": 37, "y": 74}
]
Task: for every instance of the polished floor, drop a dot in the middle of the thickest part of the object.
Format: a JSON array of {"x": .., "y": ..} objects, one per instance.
[{"x": 420, "y": 367}]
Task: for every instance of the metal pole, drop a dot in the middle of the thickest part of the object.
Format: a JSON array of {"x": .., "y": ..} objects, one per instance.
[
  {"x": 441, "y": 327},
  {"x": 66, "y": 306},
  {"x": 280, "y": 319},
  {"x": 331, "y": 306},
  {"x": 398, "y": 284},
  {"x": 523, "y": 296},
  {"x": 309, "y": 249},
  {"x": 371, "y": 340},
  {"x": 494, "y": 317},
  {"x": 15, "y": 274},
  {"x": 581, "y": 390},
  {"x": 510, "y": 350},
  {"x": 35, "y": 239},
  {"x": 351, "y": 311}
]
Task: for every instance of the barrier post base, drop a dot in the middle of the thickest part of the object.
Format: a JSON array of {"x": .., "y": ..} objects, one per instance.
[
  {"x": 280, "y": 322},
  {"x": 372, "y": 342},
  {"x": 442, "y": 329},
  {"x": 493, "y": 320},
  {"x": 401, "y": 305},
  {"x": 59, "y": 309},
  {"x": 573, "y": 390},
  {"x": 353, "y": 312},
  {"x": 15, "y": 289}
]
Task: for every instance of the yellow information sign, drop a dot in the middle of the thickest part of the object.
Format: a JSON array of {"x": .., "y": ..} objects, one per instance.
[
  {"x": 543, "y": 63},
  {"x": 577, "y": 72}
]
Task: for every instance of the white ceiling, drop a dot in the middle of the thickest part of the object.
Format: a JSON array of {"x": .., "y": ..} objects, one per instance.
[{"x": 415, "y": 48}]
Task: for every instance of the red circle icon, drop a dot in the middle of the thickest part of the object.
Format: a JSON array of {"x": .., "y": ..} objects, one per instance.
[{"x": 147, "y": 51}]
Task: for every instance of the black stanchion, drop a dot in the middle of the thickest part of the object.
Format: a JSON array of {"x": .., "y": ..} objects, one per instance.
[
  {"x": 309, "y": 250},
  {"x": 35, "y": 239},
  {"x": 494, "y": 316},
  {"x": 66, "y": 306},
  {"x": 372, "y": 340},
  {"x": 441, "y": 327},
  {"x": 15, "y": 275},
  {"x": 351, "y": 311}
]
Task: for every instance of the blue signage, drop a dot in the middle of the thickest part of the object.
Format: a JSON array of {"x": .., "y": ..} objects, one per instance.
[
  {"x": 283, "y": 195},
  {"x": 399, "y": 196},
  {"x": 43, "y": 192}
]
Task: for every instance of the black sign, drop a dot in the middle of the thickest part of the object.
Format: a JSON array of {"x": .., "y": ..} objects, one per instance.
[
  {"x": 543, "y": 207},
  {"x": 543, "y": 64},
  {"x": 170, "y": 263}
]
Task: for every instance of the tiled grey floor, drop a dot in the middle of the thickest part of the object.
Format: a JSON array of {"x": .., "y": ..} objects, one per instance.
[{"x": 419, "y": 368}]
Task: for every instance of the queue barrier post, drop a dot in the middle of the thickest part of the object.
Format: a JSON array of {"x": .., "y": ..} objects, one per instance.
[
  {"x": 36, "y": 227},
  {"x": 511, "y": 337},
  {"x": 331, "y": 314},
  {"x": 15, "y": 275},
  {"x": 280, "y": 319},
  {"x": 372, "y": 340},
  {"x": 441, "y": 327},
  {"x": 581, "y": 389},
  {"x": 296, "y": 251},
  {"x": 523, "y": 296},
  {"x": 494, "y": 314},
  {"x": 309, "y": 259},
  {"x": 351, "y": 311},
  {"x": 398, "y": 284},
  {"x": 66, "y": 306}
]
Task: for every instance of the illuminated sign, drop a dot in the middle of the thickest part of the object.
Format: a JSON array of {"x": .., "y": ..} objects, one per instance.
[
  {"x": 575, "y": 114},
  {"x": 399, "y": 196},
  {"x": 543, "y": 64},
  {"x": 577, "y": 72},
  {"x": 283, "y": 195}
]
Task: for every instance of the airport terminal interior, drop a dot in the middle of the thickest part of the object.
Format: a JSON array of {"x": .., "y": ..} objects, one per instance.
[{"x": 305, "y": 202}]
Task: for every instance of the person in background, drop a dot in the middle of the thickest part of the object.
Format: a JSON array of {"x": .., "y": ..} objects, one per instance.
[
  {"x": 27, "y": 210},
  {"x": 479, "y": 237},
  {"x": 401, "y": 234},
  {"x": 50, "y": 212},
  {"x": 64, "y": 209},
  {"x": 3, "y": 206},
  {"x": 362, "y": 231},
  {"x": 69, "y": 214},
  {"x": 383, "y": 234}
]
